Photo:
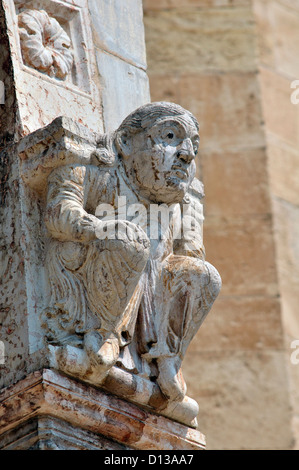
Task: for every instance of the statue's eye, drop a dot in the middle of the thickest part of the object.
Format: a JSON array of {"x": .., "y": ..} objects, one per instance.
[{"x": 169, "y": 135}]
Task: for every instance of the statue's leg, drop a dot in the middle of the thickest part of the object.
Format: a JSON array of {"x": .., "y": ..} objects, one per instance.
[
  {"x": 112, "y": 277},
  {"x": 189, "y": 288},
  {"x": 105, "y": 280}
]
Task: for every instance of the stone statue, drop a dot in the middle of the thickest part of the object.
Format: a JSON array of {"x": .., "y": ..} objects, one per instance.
[
  {"x": 128, "y": 282},
  {"x": 122, "y": 296}
]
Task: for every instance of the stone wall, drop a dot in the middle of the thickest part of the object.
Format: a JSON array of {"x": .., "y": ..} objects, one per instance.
[
  {"x": 278, "y": 26},
  {"x": 204, "y": 55},
  {"x": 118, "y": 38}
]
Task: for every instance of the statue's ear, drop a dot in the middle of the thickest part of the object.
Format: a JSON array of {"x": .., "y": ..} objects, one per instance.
[{"x": 123, "y": 143}]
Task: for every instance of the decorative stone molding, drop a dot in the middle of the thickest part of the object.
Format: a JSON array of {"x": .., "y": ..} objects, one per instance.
[
  {"x": 49, "y": 411},
  {"x": 125, "y": 297},
  {"x": 45, "y": 45}
]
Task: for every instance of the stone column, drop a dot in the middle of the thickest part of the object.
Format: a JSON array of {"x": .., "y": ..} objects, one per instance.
[{"x": 72, "y": 71}]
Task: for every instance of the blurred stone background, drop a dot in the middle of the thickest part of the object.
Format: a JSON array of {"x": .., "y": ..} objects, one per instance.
[{"x": 232, "y": 62}]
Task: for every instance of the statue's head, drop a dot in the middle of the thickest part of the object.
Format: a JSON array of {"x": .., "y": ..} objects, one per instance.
[{"x": 158, "y": 144}]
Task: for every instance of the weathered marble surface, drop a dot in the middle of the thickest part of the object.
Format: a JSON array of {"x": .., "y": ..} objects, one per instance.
[
  {"x": 49, "y": 433},
  {"x": 125, "y": 292},
  {"x": 50, "y": 411}
]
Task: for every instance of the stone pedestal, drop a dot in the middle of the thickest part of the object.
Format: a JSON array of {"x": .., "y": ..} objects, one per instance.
[{"x": 50, "y": 411}]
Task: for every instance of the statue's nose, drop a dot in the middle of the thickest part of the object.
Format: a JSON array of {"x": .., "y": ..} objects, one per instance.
[{"x": 186, "y": 151}]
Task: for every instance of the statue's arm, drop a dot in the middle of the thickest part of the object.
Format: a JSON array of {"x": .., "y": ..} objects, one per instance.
[{"x": 66, "y": 219}]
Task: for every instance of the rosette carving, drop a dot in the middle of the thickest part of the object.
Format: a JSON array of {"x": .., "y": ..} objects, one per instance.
[{"x": 44, "y": 43}]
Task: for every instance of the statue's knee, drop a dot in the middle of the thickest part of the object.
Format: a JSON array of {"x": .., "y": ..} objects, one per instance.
[
  {"x": 214, "y": 280},
  {"x": 134, "y": 252},
  {"x": 185, "y": 266},
  {"x": 72, "y": 254},
  {"x": 204, "y": 274},
  {"x": 195, "y": 273}
]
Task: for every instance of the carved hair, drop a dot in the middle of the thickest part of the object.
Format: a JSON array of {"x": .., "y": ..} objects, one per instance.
[
  {"x": 106, "y": 151},
  {"x": 142, "y": 117}
]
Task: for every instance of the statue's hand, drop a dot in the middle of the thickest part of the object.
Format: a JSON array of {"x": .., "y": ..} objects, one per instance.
[{"x": 123, "y": 231}]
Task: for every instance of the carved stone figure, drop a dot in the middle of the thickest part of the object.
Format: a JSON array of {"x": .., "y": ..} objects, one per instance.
[
  {"x": 126, "y": 281},
  {"x": 122, "y": 295},
  {"x": 45, "y": 45}
]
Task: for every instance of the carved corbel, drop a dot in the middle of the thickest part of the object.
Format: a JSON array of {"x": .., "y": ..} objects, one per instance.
[{"x": 63, "y": 142}]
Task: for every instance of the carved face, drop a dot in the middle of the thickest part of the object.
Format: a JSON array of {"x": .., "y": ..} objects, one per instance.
[{"x": 160, "y": 160}]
